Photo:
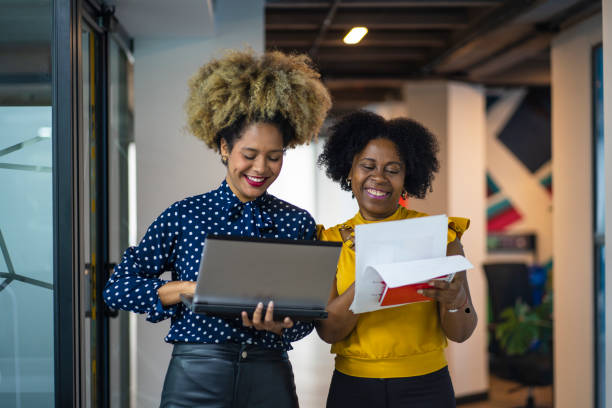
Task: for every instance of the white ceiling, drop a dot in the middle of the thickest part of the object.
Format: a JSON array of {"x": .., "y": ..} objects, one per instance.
[{"x": 166, "y": 18}]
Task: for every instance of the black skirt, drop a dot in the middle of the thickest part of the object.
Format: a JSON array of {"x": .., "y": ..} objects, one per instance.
[
  {"x": 433, "y": 390},
  {"x": 228, "y": 376}
]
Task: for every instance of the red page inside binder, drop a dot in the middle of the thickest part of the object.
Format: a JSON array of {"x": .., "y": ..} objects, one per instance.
[{"x": 404, "y": 294}]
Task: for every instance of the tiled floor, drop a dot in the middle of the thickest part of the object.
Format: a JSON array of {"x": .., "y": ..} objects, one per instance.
[{"x": 500, "y": 396}]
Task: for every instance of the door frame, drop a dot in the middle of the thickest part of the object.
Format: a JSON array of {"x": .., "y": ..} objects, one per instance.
[
  {"x": 65, "y": 276},
  {"x": 68, "y": 17}
]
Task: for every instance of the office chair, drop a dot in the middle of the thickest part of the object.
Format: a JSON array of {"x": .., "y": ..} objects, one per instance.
[{"x": 508, "y": 282}]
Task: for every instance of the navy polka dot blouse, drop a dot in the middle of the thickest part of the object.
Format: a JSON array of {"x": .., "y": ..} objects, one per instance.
[{"x": 174, "y": 243}]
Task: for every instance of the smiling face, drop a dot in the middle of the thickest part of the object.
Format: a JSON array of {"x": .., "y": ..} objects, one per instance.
[
  {"x": 255, "y": 160},
  {"x": 377, "y": 179}
]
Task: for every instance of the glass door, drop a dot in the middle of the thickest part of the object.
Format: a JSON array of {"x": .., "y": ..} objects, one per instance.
[
  {"x": 27, "y": 288},
  {"x": 63, "y": 198},
  {"x": 106, "y": 157}
]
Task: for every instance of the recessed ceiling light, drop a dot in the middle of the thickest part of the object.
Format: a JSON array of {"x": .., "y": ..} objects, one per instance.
[
  {"x": 355, "y": 35},
  {"x": 44, "y": 132}
]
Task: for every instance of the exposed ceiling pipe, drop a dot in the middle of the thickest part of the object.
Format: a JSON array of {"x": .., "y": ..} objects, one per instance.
[{"x": 324, "y": 27}]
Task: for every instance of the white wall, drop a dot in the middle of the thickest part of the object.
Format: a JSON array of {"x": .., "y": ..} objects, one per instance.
[
  {"x": 427, "y": 103},
  {"x": 455, "y": 113},
  {"x": 466, "y": 138},
  {"x": 607, "y": 51},
  {"x": 572, "y": 213},
  {"x": 171, "y": 164},
  {"x": 297, "y": 180},
  {"x": 302, "y": 183}
]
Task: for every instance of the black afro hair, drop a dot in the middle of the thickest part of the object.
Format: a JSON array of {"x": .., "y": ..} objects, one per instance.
[{"x": 416, "y": 146}]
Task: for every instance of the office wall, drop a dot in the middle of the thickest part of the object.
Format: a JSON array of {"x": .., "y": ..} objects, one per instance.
[
  {"x": 171, "y": 164},
  {"x": 466, "y": 155},
  {"x": 455, "y": 113},
  {"x": 572, "y": 213},
  {"x": 304, "y": 184}
]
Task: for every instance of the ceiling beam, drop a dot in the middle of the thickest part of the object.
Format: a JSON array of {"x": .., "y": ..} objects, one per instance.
[
  {"x": 513, "y": 55},
  {"x": 532, "y": 72},
  {"x": 572, "y": 15},
  {"x": 377, "y": 54},
  {"x": 381, "y": 20},
  {"x": 394, "y": 20},
  {"x": 520, "y": 41},
  {"x": 361, "y": 69},
  {"x": 289, "y": 20},
  {"x": 502, "y": 15},
  {"x": 471, "y": 40},
  {"x": 302, "y": 39},
  {"x": 352, "y": 53},
  {"x": 483, "y": 47}
]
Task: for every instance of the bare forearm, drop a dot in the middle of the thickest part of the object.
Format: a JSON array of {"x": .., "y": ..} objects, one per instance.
[
  {"x": 340, "y": 320},
  {"x": 458, "y": 326},
  {"x": 169, "y": 294}
]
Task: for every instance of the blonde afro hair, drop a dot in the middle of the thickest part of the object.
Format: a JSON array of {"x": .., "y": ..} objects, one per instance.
[{"x": 242, "y": 86}]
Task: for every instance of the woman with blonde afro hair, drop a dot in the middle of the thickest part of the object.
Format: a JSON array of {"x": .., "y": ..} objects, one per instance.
[
  {"x": 250, "y": 109},
  {"x": 242, "y": 88}
]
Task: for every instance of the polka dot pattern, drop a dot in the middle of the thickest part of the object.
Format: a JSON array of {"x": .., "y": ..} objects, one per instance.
[{"x": 174, "y": 243}]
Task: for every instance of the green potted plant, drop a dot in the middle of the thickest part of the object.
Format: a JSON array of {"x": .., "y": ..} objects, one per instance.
[{"x": 525, "y": 329}]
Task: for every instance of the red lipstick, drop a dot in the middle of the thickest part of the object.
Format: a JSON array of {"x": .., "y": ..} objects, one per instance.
[{"x": 254, "y": 181}]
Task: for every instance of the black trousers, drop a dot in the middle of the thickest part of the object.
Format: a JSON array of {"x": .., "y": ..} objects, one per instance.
[
  {"x": 228, "y": 376},
  {"x": 433, "y": 390}
]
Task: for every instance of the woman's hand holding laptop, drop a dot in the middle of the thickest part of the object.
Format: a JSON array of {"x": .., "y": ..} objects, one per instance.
[
  {"x": 169, "y": 294},
  {"x": 268, "y": 323}
]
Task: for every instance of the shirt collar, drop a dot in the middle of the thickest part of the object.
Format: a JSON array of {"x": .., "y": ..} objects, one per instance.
[
  {"x": 226, "y": 194},
  {"x": 254, "y": 209},
  {"x": 397, "y": 215}
]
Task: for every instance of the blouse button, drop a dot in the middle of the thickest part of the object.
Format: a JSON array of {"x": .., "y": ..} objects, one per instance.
[{"x": 244, "y": 354}]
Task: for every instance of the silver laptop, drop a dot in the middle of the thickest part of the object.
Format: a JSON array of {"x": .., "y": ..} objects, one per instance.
[{"x": 238, "y": 272}]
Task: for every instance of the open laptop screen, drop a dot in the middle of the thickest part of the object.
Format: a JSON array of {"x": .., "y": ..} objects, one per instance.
[{"x": 239, "y": 272}]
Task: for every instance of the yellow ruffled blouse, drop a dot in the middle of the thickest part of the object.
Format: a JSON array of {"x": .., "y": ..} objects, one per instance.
[{"x": 403, "y": 341}]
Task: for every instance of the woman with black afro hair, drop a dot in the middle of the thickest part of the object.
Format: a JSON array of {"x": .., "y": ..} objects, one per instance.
[
  {"x": 391, "y": 357},
  {"x": 250, "y": 109}
]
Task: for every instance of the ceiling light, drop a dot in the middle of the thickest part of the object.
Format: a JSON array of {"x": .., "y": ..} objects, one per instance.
[
  {"x": 355, "y": 35},
  {"x": 44, "y": 132}
]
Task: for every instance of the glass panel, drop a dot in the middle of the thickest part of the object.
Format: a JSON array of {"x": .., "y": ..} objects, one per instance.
[
  {"x": 601, "y": 325},
  {"x": 26, "y": 216},
  {"x": 599, "y": 227},
  {"x": 598, "y": 116},
  {"x": 121, "y": 136}
]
